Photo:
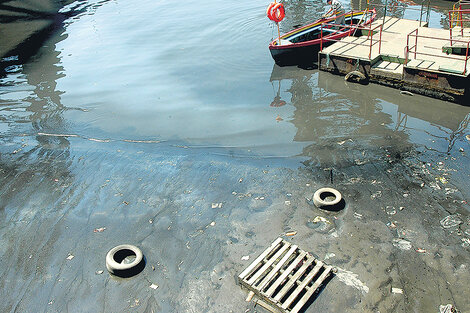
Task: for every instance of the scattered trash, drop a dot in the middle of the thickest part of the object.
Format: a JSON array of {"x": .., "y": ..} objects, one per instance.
[
  {"x": 451, "y": 221},
  {"x": 99, "y": 272},
  {"x": 465, "y": 242},
  {"x": 278, "y": 118},
  {"x": 291, "y": 233},
  {"x": 250, "y": 296},
  {"x": 406, "y": 93},
  {"x": 329, "y": 256},
  {"x": 442, "y": 179},
  {"x": 468, "y": 137},
  {"x": 344, "y": 141},
  {"x": 319, "y": 219},
  {"x": 217, "y": 205},
  {"x": 245, "y": 258},
  {"x": 357, "y": 215},
  {"x": 70, "y": 257},
  {"x": 397, "y": 290},
  {"x": 402, "y": 244},
  {"x": 448, "y": 308},
  {"x": 377, "y": 194},
  {"x": 351, "y": 279},
  {"x": 154, "y": 286},
  {"x": 99, "y": 230},
  {"x": 390, "y": 210},
  {"x": 421, "y": 250}
]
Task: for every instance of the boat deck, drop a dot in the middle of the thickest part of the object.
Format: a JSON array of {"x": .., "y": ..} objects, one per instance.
[{"x": 382, "y": 55}]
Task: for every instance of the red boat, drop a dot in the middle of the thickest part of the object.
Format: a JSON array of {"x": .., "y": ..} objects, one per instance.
[{"x": 301, "y": 45}]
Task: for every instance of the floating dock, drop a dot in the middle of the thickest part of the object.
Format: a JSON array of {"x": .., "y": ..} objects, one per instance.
[{"x": 405, "y": 54}]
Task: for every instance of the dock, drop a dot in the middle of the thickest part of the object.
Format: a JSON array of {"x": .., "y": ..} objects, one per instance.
[{"x": 405, "y": 54}]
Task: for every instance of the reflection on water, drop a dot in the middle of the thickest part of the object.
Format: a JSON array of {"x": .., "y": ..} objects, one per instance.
[{"x": 139, "y": 117}]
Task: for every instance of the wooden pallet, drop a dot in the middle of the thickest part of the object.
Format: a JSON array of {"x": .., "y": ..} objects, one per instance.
[{"x": 284, "y": 277}]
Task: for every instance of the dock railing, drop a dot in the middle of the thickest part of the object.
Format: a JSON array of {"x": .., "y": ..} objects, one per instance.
[
  {"x": 396, "y": 7},
  {"x": 456, "y": 18},
  {"x": 352, "y": 30},
  {"x": 412, "y": 48},
  {"x": 455, "y": 15}
]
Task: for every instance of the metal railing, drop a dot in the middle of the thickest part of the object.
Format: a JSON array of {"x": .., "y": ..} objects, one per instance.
[
  {"x": 389, "y": 8},
  {"x": 414, "y": 48},
  {"x": 351, "y": 30},
  {"x": 455, "y": 15},
  {"x": 458, "y": 21}
]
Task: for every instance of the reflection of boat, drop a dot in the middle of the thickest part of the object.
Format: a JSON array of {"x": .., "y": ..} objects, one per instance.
[{"x": 300, "y": 46}]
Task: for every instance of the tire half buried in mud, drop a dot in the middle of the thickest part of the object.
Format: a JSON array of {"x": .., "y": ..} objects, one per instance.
[
  {"x": 328, "y": 199},
  {"x": 116, "y": 261}
]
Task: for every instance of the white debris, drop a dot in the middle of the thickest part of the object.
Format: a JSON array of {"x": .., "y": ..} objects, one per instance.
[
  {"x": 351, "y": 279},
  {"x": 357, "y": 215},
  {"x": 245, "y": 258},
  {"x": 319, "y": 219},
  {"x": 397, "y": 290},
  {"x": 217, "y": 205},
  {"x": 451, "y": 221},
  {"x": 154, "y": 286},
  {"x": 448, "y": 308},
  {"x": 329, "y": 256},
  {"x": 70, "y": 257},
  {"x": 402, "y": 244}
]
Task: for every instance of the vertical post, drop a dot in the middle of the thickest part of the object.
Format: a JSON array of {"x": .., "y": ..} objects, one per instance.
[
  {"x": 466, "y": 59},
  {"x": 380, "y": 38},
  {"x": 421, "y": 14},
  {"x": 321, "y": 36},
  {"x": 385, "y": 11},
  {"x": 427, "y": 14},
  {"x": 451, "y": 17},
  {"x": 416, "y": 42}
]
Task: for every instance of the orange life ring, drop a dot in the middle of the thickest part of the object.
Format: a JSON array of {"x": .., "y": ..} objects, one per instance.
[{"x": 276, "y": 12}]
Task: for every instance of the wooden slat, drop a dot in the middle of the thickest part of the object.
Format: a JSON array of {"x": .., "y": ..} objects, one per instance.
[
  {"x": 311, "y": 290},
  {"x": 292, "y": 280},
  {"x": 268, "y": 263},
  {"x": 276, "y": 269},
  {"x": 260, "y": 258},
  {"x": 281, "y": 278},
  {"x": 304, "y": 284}
]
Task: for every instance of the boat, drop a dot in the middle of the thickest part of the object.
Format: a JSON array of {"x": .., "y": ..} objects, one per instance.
[{"x": 301, "y": 45}]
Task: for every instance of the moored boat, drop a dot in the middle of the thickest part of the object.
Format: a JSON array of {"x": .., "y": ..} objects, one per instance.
[{"x": 301, "y": 45}]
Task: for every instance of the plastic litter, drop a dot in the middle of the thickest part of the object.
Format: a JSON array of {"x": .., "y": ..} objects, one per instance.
[
  {"x": 451, "y": 221},
  {"x": 448, "y": 308}
]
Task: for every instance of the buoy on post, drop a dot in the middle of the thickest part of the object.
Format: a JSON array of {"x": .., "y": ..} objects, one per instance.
[{"x": 276, "y": 13}]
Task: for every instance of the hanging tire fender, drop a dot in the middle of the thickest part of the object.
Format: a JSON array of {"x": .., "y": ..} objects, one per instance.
[{"x": 355, "y": 75}]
